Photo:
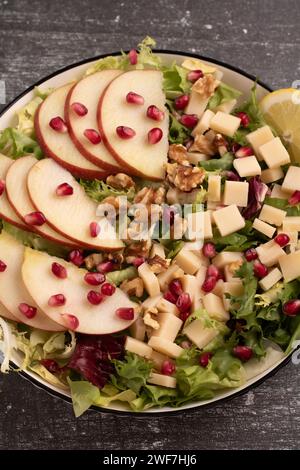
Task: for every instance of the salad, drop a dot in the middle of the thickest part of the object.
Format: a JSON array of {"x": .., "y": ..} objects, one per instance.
[{"x": 149, "y": 246}]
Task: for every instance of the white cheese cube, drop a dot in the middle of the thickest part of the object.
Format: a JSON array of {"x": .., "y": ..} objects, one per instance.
[
  {"x": 290, "y": 266},
  {"x": 137, "y": 347},
  {"x": 259, "y": 137},
  {"x": 270, "y": 279},
  {"x": 173, "y": 272},
  {"x": 271, "y": 174},
  {"x": 197, "y": 104},
  {"x": 169, "y": 326},
  {"x": 227, "y": 257},
  {"x": 279, "y": 193},
  {"x": 264, "y": 228},
  {"x": 165, "y": 346},
  {"x": 292, "y": 234},
  {"x": 149, "y": 279},
  {"x": 195, "y": 225},
  {"x": 291, "y": 181},
  {"x": 151, "y": 302},
  {"x": 208, "y": 233},
  {"x": 196, "y": 248},
  {"x": 229, "y": 220},
  {"x": 200, "y": 277},
  {"x": 199, "y": 334},
  {"x": 247, "y": 166},
  {"x": 236, "y": 192},
  {"x": 203, "y": 123},
  {"x": 233, "y": 288},
  {"x": 157, "y": 250},
  {"x": 269, "y": 253},
  {"x": 138, "y": 329},
  {"x": 272, "y": 215},
  {"x": 225, "y": 123},
  {"x": 158, "y": 359},
  {"x": 188, "y": 261},
  {"x": 229, "y": 272},
  {"x": 291, "y": 223},
  {"x": 215, "y": 307},
  {"x": 214, "y": 188},
  {"x": 162, "y": 380},
  {"x": 218, "y": 289},
  {"x": 227, "y": 107},
  {"x": 190, "y": 286},
  {"x": 194, "y": 158},
  {"x": 274, "y": 153},
  {"x": 165, "y": 306}
]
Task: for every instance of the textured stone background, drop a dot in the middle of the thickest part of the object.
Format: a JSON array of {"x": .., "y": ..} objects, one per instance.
[{"x": 36, "y": 38}]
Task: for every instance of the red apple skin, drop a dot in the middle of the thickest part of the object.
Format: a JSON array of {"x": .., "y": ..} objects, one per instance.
[
  {"x": 76, "y": 171},
  {"x": 12, "y": 222},
  {"x": 103, "y": 165}
]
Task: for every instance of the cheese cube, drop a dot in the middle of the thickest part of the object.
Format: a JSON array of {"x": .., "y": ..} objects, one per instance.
[
  {"x": 169, "y": 326},
  {"x": 190, "y": 286},
  {"x": 165, "y": 346},
  {"x": 264, "y": 228},
  {"x": 225, "y": 123},
  {"x": 199, "y": 334},
  {"x": 158, "y": 359},
  {"x": 196, "y": 248},
  {"x": 188, "y": 261},
  {"x": 271, "y": 174},
  {"x": 215, "y": 307},
  {"x": 149, "y": 279},
  {"x": 272, "y": 215},
  {"x": 165, "y": 306},
  {"x": 195, "y": 225},
  {"x": 157, "y": 250},
  {"x": 229, "y": 272},
  {"x": 151, "y": 302},
  {"x": 138, "y": 329},
  {"x": 274, "y": 153},
  {"x": 247, "y": 166},
  {"x": 270, "y": 279},
  {"x": 236, "y": 192},
  {"x": 278, "y": 192},
  {"x": 229, "y": 220},
  {"x": 218, "y": 289},
  {"x": 233, "y": 288},
  {"x": 290, "y": 266},
  {"x": 214, "y": 188},
  {"x": 138, "y": 347},
  {"x": 173, "y": 272},
  {"x": 227, "y": 257},
  {"x": 269, "y": 253},
  {"x": 291, "y": 223},
  {"x": 208, "y": 233},
  {"x": 293, "y": 235},
  {"x": 197, "y": 104},
  {"x": 195, "y": 158},
  {"x": 227, "y": 107},
  {"x": 291, "y": 181},
  {"x": 200, "y": 277},
  {"x": 162, "y": 380},
  {"x": 259, "y": 137},
  {"x": 203, "y": 123}
]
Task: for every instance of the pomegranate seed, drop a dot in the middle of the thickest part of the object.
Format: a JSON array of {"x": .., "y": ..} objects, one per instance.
[
  {"x": 209, "y": 284},
  {"x": 134, "y": 98},
  {"x": 155, "y": 135},
  {"x": 94, "y": 229},
  {"x": 184, "y": 302},
  {"x": 186, "y": 345},
  {"x": 59, "y": 271},
  {"x": 27, "y": 310},
  {"x": 235, "y": 147},
  {"x": 189, "y": 120},
  {"x": 245, "y": 119},
  {"x": 125, "y": 132},
  {"x": 64, "y": 189},
  {"x": 95, "y": 298},
  {"x": 138, "y": 261},
  {"x": 76, "y": 257},
  {"x": 175, "y": 287},
  {"x": 79, "y": 109},
  {"x": 282, "y": 239},
  {"x": 244, "y": 152},
  {"x": 107, "y": 289},
  {"x": 292, "y": 308},
  {"x": 35, "y": 218},
  {"x": 125, "y": 313},
  {"x": 58, "y": 124},
  {"x": 93, "y": 136},
  {"x": 133, "y": 57},
  {"x": 3, "y": 266},
  {"x": 204, "y": 359},
  {"x": 194, "y": 75},
  {"x": 154, "y": 113},
  {"x": 181, "y": 102},
  {"x": 168, "y": 367},
  {"x": 213, "y": 271},
  {"x": 294, "y": 199},
  {"x": 170, "y": 297},
  {"x": 56, "y": 300},
  {"x": 50, "y": 365},
  {"x": 2, "y": 187},
  {"x": 209, "y": 250},
  {"x": 70, "y": 321},
  {"x": 251, "y": 254},
  {"x": 184, "y": 316},
  {"x": 94, "y": 279},
  {"x": 105, "y": 267},
  {"x": 244, "y": 353},
  {"x": 259, "y": 269}
]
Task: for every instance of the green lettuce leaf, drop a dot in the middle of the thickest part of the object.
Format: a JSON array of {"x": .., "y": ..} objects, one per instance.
[
  {"x": 233, "y": 242},
  {"x": 246, "y": 302},
  {"x": 177, "y": 132},
  {"x": 117, "y": 277},
  {"x": 223, "y": 94},
  {"x": 98, "y": 190},
  {"x": 223, "y": 163},
  {"x": 15, "y": 144},
  {"x": 175, "y": 81},
  {"x": 132, "y": 372},
  {"x": 283, "y": 204}
]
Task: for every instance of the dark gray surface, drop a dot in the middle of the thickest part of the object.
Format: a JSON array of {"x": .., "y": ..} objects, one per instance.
[{"x": 38, "y": 37}]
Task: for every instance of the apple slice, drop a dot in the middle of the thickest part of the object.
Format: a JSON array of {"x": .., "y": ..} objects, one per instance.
[
  {"x": 58, "y": 145},
  {"x": 87, "y": 92},
  {"x": 13, "y": 291},
  {"x": 6, "y": 313},
  {"x": 136, "y": 154},
  {"x": 83, "y": 316},
  {"x": 18, "y": 196},
  {"x": 6, "y": 211},
  {"x": 69, "y": 215}
]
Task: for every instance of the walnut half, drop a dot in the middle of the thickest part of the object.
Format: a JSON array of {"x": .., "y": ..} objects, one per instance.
[
  {"x": 184, "y": 177},
  {"x": 120, "y": 181},
  {"x": 133, "y": 287}
]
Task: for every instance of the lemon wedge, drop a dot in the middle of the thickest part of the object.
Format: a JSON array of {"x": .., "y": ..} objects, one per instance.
[{"x": 281, "y": 110}]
